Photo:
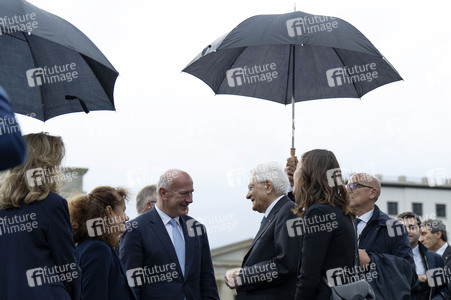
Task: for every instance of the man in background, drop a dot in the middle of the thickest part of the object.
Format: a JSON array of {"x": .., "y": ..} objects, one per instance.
[
  {"x": 146, "y": 199},
  {"x": 424, "y": 259},
  {"x": 434, "y": 236}
]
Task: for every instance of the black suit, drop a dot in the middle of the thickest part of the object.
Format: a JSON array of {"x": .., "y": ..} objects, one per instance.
[
  {"x": 269, "y": 268},
  {"x": 327, "y": 244},
  {"x": 153, "y": 270},
  {"x": 447, "y": 261}
]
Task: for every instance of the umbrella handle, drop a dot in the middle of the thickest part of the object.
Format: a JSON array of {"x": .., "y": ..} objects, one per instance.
[{"x": 293, "y": 154}]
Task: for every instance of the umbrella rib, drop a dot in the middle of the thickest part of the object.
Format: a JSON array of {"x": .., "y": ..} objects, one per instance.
[
  {"x": 35, "y": 65},
  {"x": 288, "y": 76},
  {"x": 343, "y": 63}
]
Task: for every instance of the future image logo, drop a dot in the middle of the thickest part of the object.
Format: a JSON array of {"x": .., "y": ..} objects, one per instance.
[
  {"x": 438, "y": 276},
  {"x": 395, "y": 228},
  {"x": 53, "y": 74},
  {"x": 334, "y": 177},
  {"x": 250, "y": 75},
  {"x": 349, "y": 75},
  {"x": 194, "y": 228},
  {"x": 310, "y": 24}
]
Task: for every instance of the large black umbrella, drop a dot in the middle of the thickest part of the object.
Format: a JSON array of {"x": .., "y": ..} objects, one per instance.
[
  {"x": 48, "y": 66},
  {"x": 293, "y": 57}
]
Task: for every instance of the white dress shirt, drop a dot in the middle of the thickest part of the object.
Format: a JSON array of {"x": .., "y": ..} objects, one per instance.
[
  {"x": 268, "y": 210},
  {"x": 419, "y": 265},
  {"x": 442, "y": 249},
  {"x": 165, "y": 218},
  {"x": 363, "y": 221}
]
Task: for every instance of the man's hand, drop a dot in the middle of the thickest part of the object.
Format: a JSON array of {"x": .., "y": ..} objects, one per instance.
[
  {"x": 231, "y": 278},
  {"x": 422, "y": 278},
  {"x": 364, "y": 258},
  {"x": 290, "y": 168}
]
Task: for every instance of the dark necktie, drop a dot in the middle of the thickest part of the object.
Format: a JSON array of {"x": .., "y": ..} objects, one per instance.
[{"x": 356, "y": 222}]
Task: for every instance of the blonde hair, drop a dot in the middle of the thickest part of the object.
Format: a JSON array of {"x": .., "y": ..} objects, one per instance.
[{"x": 45, "y": 152}]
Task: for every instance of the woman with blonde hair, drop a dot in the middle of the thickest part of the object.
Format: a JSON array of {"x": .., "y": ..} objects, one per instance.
[
  {"x": 98, "y": 220},
  {"x": 328, "y": 238},
  {"x": 36, "y": 241}
]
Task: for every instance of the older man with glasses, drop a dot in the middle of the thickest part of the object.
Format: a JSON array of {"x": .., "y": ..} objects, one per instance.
[{"x": 376, "y": 231}]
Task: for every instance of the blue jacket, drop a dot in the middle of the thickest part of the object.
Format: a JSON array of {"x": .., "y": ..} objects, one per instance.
[
  {"x": 37, "y": 258},
  {"x": 376, "y": 238},
  {"x": 432, "y": 260},
  {"x": 13, "y": 149},
  {"x": 153, "y": 270},
  {"x": 103, "y": 277}
]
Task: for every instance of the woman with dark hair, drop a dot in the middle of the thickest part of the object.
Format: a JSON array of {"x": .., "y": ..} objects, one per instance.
[
  {"x": 98, "y": 220},
  {"x": 328, "y": 233},
  {"x": 36, "y": 242}
]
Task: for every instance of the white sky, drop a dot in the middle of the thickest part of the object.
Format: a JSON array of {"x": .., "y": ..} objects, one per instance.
[{"x": 166, "y": 118}]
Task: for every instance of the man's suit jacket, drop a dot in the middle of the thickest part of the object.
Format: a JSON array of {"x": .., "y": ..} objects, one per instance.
[
  {"x": 153, "y": 270},
  {"x": 270, "y": 266},
  {"x": 447, "y": 261},
  {"x": 103, "y": 276},
  {"x": 35, "y": 240}
]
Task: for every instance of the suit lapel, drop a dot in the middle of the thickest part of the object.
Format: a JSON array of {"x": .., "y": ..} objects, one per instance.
[
  {"x": 162, "y": 234},
  {"x": 189, "y": 246},
  {"x": 266, "y": 223}
]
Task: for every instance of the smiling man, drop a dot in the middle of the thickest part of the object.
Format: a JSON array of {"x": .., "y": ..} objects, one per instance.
[
  {"x": 269, "y": 269},
  {"x": 167, "y": 255}
]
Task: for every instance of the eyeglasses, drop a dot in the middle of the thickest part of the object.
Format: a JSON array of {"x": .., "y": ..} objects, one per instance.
[{"x": 354, "y": 185}]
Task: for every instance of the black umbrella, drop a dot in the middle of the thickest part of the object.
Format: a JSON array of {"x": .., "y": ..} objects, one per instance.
[
  {"x": 293, "y": 57},
  {"x": 48, "y": 66}
]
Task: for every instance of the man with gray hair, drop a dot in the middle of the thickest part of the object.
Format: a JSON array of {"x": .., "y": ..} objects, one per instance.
[
  {"x": 146, "y": 199},
  {"x": 434, "y": 236},
  {"x": 270, "y": 266}
]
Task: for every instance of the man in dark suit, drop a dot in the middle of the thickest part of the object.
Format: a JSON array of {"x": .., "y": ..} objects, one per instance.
[
  {"x": 425, "y": 260},
  {"x": 434, "y": 237},
  {"x": 270, "y": 266},
  {"x": 166, "y": 254}
]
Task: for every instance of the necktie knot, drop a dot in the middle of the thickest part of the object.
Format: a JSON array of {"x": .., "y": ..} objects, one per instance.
[
  {"x": 357, "y": 221},
  {"x": 173, "y": 223}
]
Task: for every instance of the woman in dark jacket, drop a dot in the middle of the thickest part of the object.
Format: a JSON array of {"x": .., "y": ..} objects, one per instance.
[
  {"x": 37, "y": 258},
  {"x": 328, "y": 233},
  {"x": 98, "y": 219}
]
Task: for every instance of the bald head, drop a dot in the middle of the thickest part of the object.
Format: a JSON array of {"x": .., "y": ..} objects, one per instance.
[
  {"x": 175, "y": 192},
  {"x": 364, "y": 190},
  {"x": 367, "y": 179}
]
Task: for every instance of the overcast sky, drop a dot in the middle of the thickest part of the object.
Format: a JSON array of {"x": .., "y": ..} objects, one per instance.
[{"x": 166, "y": 118}]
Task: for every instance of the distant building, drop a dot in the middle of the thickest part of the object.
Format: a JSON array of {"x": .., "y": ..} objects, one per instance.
[
  {"x": 425, "y": 198},
  {"x": 225, "y": 258}
]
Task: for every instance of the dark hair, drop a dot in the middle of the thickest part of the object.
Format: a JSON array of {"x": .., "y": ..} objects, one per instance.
[
  {"x": 410, "y": 215},
  {"x": 313, "y": 183},
  {"x": 436, "y": 225},
  {"x": 83, "y": 208}
]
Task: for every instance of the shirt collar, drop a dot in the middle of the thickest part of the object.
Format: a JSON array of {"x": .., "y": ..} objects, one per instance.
[
  {"x": 268, "y": 210},
  {"x": 416, "y": 250},
  {"x": 367, "y": 216},
  {"x": 164, "y": 217},
  {"x": 442, "y": 249}
]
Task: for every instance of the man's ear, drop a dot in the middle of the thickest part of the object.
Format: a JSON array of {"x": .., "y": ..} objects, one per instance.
[
  {"x": 439, "y": 234},
  {"x": 163, "y": 193}
]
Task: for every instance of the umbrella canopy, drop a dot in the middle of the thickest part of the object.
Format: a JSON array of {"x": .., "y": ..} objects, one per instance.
[
  {"x": 293, "y": 57},
  {"x": 49, "y": 67}
]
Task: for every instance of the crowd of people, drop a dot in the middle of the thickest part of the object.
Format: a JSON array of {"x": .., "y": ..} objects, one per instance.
[{"x": 316, "y": 234}]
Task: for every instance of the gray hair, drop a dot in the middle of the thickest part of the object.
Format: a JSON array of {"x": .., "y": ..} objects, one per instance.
[
  {"x": 436, "y": 225},
  {"x": 149, "y": 191},
  {"x": 273, "y": 172}
]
